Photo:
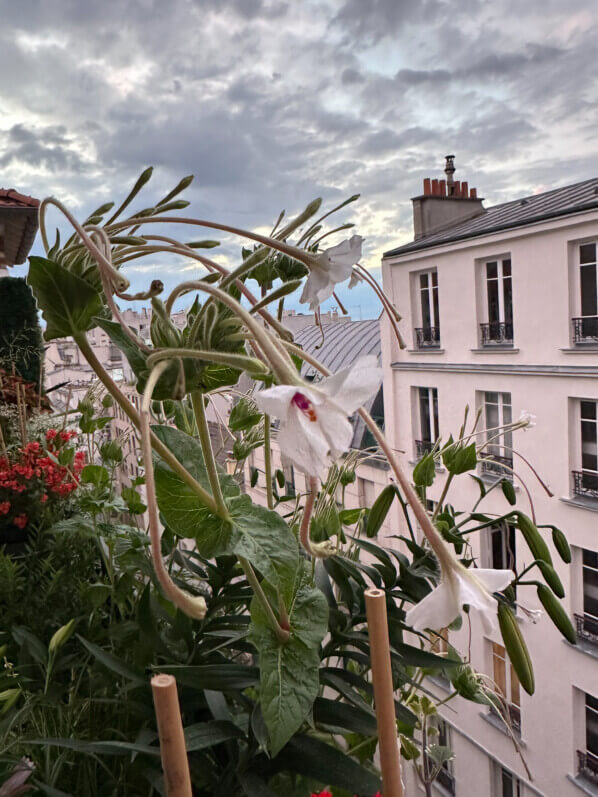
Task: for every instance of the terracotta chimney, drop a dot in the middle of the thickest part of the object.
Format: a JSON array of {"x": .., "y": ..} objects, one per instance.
[{"x": 444, "y": 203}]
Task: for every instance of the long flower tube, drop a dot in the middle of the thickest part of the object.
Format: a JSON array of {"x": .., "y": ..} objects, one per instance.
[
  {"x": 194, "y": 606},
  {"x": 458, "y": 584}
]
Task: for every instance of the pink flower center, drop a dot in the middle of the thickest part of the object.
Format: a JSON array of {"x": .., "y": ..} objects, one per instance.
[{"x": 304, "y": 404}]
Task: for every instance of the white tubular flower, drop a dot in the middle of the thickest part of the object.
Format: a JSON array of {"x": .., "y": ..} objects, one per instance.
[
  {"x": 527, "y": 420},
  {"x": 328, "y": 268},
  {"x": 460, "y": 586},
  {"x": 314, "y": 425}
]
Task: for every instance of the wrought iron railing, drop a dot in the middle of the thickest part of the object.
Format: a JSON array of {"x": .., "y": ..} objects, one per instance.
[
  {"x": 423, "y": 447},
  {"x": 496, "y": 332},
  {"x": 587, "y": 765},
  {"x": 427, "y": 337},
  {"x": 585, "y": 483},
  {"x": 587, "y": 628},
  {"x": 585, "y": 329},
  {"x": 495, "y": 465}
]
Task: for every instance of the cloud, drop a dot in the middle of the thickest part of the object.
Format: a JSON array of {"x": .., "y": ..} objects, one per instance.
[{"x": 270, "y": 103}]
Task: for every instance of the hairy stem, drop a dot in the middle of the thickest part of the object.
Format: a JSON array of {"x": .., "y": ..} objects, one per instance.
[
  {"x": 208, "y": 454},
  {"x": 268, "y": 461}
]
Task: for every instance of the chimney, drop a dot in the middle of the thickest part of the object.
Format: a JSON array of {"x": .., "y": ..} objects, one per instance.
[{"x": 444, "y": 203}]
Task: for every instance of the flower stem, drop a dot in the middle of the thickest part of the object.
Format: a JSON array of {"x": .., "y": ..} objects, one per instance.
[
  {"x": 268, "y": 461},
  {"x": 135, "y": 418},
  {"x": 208, "y": 453},
  {"x": 281, "y": 633}
]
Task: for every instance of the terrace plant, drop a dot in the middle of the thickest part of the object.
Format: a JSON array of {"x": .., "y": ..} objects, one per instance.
[{"x": 302, "y": 631}]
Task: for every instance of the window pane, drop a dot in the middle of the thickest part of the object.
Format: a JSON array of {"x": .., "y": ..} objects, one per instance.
[
  {"x": 435, "y": 412},
  {"x": 514, "y": 688},
  {"x": 493, "y": 306},
  {"x": 423, "y": 281},
  {"x": 590, "y": 591},
  {"x": 492, "y": 270},
  {"x": 425, "y": 304},
  {"x": 435, "y": 279},
  {"x": 424, "y": 413},
  {"x": 591, "y": 725},
  {"x": 507, "y": 784},
  {"x": 588, "y": 410},
  {"x": 506, "y": 268},
  {"x": 436, "y": 310},
  {"x": 587, "y": 278},
  {"x": 508, "y": 300},
  {"x": 500, "y": 675},
  {"x": 587, "y": 253},
  {"x": 589, "y": 450},
  {"x": 590, "y": 558}
]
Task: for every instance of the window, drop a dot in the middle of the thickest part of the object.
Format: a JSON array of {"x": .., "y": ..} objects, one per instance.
[
  {"x": 442, "y": 738},
  {"x": 502, "y": 547},
  {"x": 587, "y": 623},
  {"x": 440, "y": 642},
  {"x": 289, "y": 479},
  {"x": 428, "y": 420},
  {"x": 507, "y": 685},
  {"x": 585, "y": 328},
  {"x": 428, "y": 334},
  {"x": 499, "y": 297},
  {"x": 585, "y": 481},
  {"x": 506, "y": 784},
  {"x": 498, "y": 454},
  {"x": 588, "y": 758}
]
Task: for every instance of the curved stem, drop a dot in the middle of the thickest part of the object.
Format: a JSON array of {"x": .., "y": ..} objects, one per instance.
[
  {"x": 307, "y": 513},
  {"x": 281, "y": 633},
  {"x": 208, "y": 454},
  {"x": 268, "y": 461},
  {"x": 135, "y": 418}
]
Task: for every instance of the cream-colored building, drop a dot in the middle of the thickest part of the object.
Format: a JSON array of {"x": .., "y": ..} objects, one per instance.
[{"x": 500, "y": 309}]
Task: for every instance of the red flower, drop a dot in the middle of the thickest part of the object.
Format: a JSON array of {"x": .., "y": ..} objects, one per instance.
[
  {"x": 44, "y": 498},
  {"x": 51, "y": 434},
  {"x": 20, "y": 521},
  {"x": 4, "y": 507},
  {"x": 322, "y": 794}
]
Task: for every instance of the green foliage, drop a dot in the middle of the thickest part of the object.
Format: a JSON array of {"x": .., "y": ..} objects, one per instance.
[
  {"x": 21, "y": 343},
  {"x": 68, "y": 303}
]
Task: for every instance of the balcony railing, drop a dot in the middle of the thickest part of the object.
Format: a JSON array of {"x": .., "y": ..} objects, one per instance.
[
  {"x": 587, "y": 628},
  {"x": 497, "y": 333},
  {"x": 585, "y": 483},
  {"x": 585, "y": 329},
  {"x": 495, "y": 465},
  {"x": 427, "y": 337},
  {"x": 587, "y": 766},
  {"x": 423, "y": 447}
]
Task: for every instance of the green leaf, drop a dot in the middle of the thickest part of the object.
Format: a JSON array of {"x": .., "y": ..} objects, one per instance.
[
  {"x": 424, "y": 472},
  {"x": 113, "y": 663},
  {"x": 214, "y": 677},
  {"x": 348, "y": 517},
  {"x": 133, "y": 500},
  {"x": 289, "y": 672},
  {"x": 98, "y": 748},
  {"x": 342, "y": 717},
  {"x": 461, "y": 460},
  {"x": 508, "y": 491},
  {"x": 207, "y": 734},
  {"x": 244, "y": 415},
  {"x": 379, "y": 510},
  {"x": 68, "y": 303},
  {"x": 96, "y": 475},
  {"x": 258, "y": 534},
  {"x": 316, "y": 759}
]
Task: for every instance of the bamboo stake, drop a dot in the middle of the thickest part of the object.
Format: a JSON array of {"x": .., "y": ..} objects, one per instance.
[
  {"x": 390, "y": 764},
  {"x": 172, "y": 739}
]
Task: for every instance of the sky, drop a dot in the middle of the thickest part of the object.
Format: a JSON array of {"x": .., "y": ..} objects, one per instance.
[{"x": 272, "y": 103}]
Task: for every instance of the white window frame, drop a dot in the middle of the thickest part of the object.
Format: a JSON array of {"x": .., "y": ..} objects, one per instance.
[
  {"x": 432, "y": 299},
  {"x": 500, "y": 278},
  {"x": 433, "y": 419}
]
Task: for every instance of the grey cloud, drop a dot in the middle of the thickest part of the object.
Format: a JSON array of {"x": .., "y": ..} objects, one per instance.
[{"x": 47, "y": 147}]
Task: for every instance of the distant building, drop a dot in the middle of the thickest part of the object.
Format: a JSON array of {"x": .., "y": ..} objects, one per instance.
[{"x": 500, "y": 306}]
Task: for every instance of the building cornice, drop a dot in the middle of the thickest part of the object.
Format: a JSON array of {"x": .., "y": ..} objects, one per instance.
[{"x": 510, "y": 369}]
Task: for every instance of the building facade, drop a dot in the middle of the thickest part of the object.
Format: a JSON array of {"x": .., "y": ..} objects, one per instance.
[{"x": 500, "y": 310}]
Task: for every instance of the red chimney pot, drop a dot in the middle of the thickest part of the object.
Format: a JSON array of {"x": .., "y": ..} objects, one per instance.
[
  {"x": 435, "y": 188},
  {"x": 427, "y": 186},
  {"x": 442, "y": 187},
  {"x": 473, "y": 193},
  {"x": 464, "y": 189}
]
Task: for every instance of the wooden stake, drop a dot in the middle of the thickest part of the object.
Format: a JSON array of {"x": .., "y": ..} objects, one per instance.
[
  {"x": 390, "y": 763},
  {"x": 172, "y": 739}
]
